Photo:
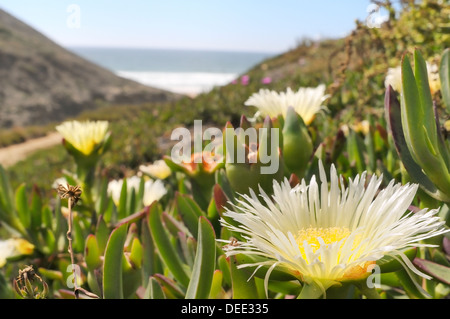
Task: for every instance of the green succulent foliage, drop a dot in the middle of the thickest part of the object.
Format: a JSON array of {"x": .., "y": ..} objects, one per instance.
[
  {"x": 417, "y": 132},
  {"x": 444, "y": 75},
  {"x": 30, "y": 218}
]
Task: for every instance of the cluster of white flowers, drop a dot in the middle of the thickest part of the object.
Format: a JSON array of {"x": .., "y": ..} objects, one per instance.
[
  {"x": 307, "y": 102},
  {"x": 154, "y": 190}
]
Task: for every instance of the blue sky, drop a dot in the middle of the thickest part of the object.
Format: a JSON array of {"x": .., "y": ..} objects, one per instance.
[{"x": 239, "y": 25}]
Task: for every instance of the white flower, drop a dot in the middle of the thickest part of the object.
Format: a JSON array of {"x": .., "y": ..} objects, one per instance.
[
  {"x": 154, "y": 190},
  {"x": 307, "y": 102},
  {"x": 331, "y": 233},
  {"x": 115, "y": 187},
  {"x": 84, "y": 136},
  {"x": 394, "y": 78},
  {"x": 14, "y": 247},
  {"x": 158, "y": 169}
]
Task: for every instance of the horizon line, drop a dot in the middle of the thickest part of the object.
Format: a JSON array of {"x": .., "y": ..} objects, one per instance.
[
  {"x": 237, "y": 50},
  {"x": 88, "y": 46}
]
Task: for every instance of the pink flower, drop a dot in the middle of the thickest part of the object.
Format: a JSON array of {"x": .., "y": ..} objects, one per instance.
[
  {"x": 266, "y": 80},
  {"x": 245, "y": 79}
]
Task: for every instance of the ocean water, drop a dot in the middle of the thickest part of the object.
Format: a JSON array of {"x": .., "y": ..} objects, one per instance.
[{"x": 182, "y": 71}]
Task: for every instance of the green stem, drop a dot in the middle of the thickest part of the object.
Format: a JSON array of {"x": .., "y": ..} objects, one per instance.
[
  {"x": 72, "y": 258},
  {"x": 86, "y": 175}
]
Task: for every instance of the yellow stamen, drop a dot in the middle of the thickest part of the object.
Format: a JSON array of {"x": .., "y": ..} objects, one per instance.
[{"x": 329, "y": 235}]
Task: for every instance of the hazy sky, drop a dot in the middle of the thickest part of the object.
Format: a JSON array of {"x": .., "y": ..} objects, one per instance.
[{"x": 242, "y": 25}]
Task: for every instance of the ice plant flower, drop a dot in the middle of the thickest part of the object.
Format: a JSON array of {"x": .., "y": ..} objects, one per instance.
[
  {"x": 199, "y": 164},
  {"x": 307, "y": 102},
  {"x": 115, "y": 187},
  {"x": 330, "y": 233},
  {"x": 158, "y": 169},
  {"x": 84, "y": 136},
  {"x": 245, "y": 79},
  {"x": 154, "y": 190},
  {"x": 86, "y": 142},
  {"x": 206, "y": 161},
  {"x": 14, "y": 247},
  {"x": 200, "y": 170},
  {"x": 266, "y": 80}
]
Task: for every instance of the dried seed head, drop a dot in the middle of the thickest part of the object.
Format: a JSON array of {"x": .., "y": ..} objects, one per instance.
[
  {"x": 70, "y": 192},
  {"x": 27, "y": 273},
  {"x": 26, "y": 287}
]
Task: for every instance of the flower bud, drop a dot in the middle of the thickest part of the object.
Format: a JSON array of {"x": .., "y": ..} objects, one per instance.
[
  {"x": 253, "y": 157},
  {"x": 297, "y": 144}
]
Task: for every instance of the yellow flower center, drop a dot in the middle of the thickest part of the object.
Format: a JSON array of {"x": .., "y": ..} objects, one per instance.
[{"x": 329, "y": 235}]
